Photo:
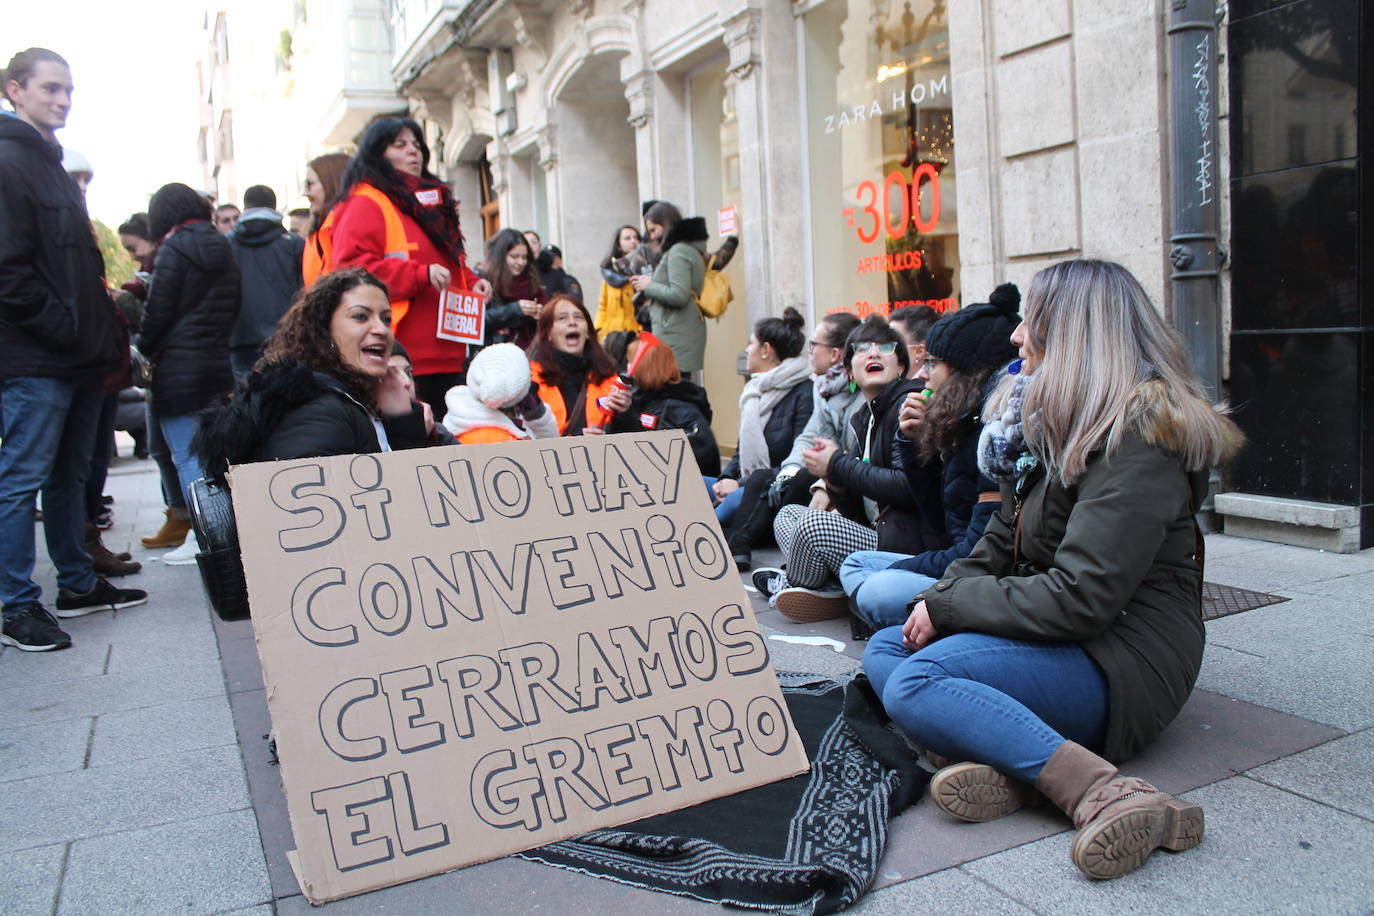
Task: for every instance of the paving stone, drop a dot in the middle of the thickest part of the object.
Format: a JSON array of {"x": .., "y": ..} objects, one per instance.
[
  {"x": 169, "y": 727},
  {"x": 43, "y": 749},
  {"x": 264, "y": 786},
  {"x": 207, "y": 865},
  {"x": 1339, "y": 773},
  {"x": 31, "y": 877},
  {"x": 86, "y": 658},
  {"x": 265, "y": 909},
  {"x": 242, "y": 666},
  {"x": 949, "y": 893},
  {"x": 511, "y": 886},
  {"x": 143, "y": 793},
  {"x": 94, "y": 696},
  {"x": 1304, "y": 657},
  {"x": 1266, "y": 851}
]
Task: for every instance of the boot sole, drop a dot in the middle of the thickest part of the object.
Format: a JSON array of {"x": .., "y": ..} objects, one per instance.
[
  {"x": 804, "y": 607},
  {"x": 1119, "y": 844},
  {"x": 975, "y": 792}
]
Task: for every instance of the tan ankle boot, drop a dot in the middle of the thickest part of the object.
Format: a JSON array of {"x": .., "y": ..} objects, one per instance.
[
  {"x": 173, "y": 531},
  {"x": 976, "y": 792},
  {"x": 1120, "y": 819},
  {"x": 105, "y": 562}
]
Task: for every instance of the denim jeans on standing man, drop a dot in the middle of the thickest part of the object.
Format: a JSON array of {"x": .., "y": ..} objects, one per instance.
[
  {"x": 881, "y": 594},
  {"x": 988, "y": 699},
  {"x": 49, "y": 437}
]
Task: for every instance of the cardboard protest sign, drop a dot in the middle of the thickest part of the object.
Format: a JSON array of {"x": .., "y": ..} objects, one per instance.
[
  {"x": 470, "y": 651},
  {"x": 461, "y": 317}
]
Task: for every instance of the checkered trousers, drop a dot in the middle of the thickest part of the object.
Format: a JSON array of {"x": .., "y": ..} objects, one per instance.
[{"x": 816, "y": 543}]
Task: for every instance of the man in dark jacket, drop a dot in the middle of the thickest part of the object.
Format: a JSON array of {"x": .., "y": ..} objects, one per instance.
[
  {"x": 58, "y": 336},
  {"x": 269, "y": 260}
]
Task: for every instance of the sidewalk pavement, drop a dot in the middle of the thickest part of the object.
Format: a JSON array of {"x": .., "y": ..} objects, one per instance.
[{"x": 136, "y": 777}]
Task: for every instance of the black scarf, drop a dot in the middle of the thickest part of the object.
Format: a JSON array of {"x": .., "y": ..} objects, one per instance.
[
  {"x": 439, "y": 221},
  {"x": 572, "y": 384}
]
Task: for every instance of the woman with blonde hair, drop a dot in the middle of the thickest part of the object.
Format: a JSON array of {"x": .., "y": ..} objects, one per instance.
[{"x": 1072, "y": 634}]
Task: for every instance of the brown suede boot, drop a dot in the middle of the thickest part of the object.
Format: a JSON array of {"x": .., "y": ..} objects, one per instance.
[
  {"x": 173, "y": 531},
  {"x": 105, "y": 562},
  {"x": 1120, "y": 819},
  {"x": 976, "y": 792}
]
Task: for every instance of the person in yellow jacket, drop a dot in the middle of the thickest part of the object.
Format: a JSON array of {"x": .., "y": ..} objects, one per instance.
[{"x": 616, "y": 309}]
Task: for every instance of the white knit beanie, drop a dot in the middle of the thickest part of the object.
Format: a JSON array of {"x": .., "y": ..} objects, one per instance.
[
  {"x": 73, "y": 163},
  {"x": 500, "y": 376}
]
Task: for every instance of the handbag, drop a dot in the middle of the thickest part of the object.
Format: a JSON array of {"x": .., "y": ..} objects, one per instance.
[
  {"x": 219, "y": 559},
  {"x": 140, "y": 368}
]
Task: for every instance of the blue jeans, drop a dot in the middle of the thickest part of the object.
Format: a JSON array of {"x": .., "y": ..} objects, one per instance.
[
  {"x": 880, "y": 593},
  {"x": 177, "y": 432},
  {"x": 1003, "y": 702},
  {"x": 166, "y": 468},
  {"x": 727, "y": 507},
  {"x": 49, "y": 426}
]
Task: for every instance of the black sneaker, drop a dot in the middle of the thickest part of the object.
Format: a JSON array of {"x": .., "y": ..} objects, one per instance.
[
  {"x": 33, "y": 629},
  {"x": 769, "y": 580},
  {"x": 103, "y": 597}
]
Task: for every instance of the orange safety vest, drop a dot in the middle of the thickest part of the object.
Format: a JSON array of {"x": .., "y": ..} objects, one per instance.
[
  {"x": 395, "y": 245},
  {"x": 318, "y": 256},
  {"x": 481, "y": 435},
  {"x": 551, "y": 396}
]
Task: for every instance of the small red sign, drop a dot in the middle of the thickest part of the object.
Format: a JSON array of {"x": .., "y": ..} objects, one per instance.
[
  {"x": 727, "y": 221},
  {"x": 648, "y": 421},
  {"x": 462, "y": 317}
]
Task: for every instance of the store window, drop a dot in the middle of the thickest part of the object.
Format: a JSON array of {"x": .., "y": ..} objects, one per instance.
[{"x": 880, "y": 142}]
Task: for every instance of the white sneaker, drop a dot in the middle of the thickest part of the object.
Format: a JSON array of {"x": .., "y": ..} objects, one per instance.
[{"x": 185, "y": 555}]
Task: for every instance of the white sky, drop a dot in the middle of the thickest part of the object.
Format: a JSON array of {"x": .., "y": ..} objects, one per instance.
[{"x": 134, "y": 112}]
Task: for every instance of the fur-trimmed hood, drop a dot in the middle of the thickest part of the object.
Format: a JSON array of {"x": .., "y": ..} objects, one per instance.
[
  {"x": 234, "y": 430},
  {"x": 691, "y": 229},
  {"x": 1180, "y": 424}
]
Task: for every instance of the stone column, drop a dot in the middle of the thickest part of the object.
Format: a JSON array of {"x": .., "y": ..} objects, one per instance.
[
  {"x": 770, "y": 154},
  {"x": 548, "y": 161}
]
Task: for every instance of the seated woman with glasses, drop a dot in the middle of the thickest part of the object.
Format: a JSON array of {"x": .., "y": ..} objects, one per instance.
[
  {"x": 874, "y": 503},
  {"x": 967, "y": 352}
]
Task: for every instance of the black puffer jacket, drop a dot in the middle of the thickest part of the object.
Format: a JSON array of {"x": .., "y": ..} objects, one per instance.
[
  {"x": 188, "y": 318},
  {"x": 967, "y": 498},
  {"x": 680, "y": 405},
  {"x": 269, "y": 260},
  {"x": 785, "y": 424},
  {"x": 56, "y": 319},
  {"x": 282, "y": 411},
  {"x": 900, "y": 524}
]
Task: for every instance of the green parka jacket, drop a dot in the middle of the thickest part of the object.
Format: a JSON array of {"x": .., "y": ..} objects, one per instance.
[
  {"x": 672, "y": 295},
  {"x": 1110, "y": 563}
]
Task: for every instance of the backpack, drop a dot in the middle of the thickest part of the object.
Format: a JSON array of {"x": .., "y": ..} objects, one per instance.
[{"x": 716, "y": 294}]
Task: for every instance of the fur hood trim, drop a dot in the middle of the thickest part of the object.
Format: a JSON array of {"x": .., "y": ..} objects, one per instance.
[
  {"x": 691, "y": 229},
  {"x": 1175, "y": 422},
  {"x": 233, "y": 429}
]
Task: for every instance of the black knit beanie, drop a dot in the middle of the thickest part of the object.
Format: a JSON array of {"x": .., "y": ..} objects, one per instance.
[{"x": 978, "y": 336}]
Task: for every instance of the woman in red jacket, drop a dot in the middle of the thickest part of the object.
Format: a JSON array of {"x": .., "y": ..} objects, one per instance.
[{"x": 400, "y": 223}]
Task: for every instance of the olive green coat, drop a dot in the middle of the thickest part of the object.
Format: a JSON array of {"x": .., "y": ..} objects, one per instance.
[
  {"x": 673, "y": 311},
  {"x": 1108, "y": 563}
]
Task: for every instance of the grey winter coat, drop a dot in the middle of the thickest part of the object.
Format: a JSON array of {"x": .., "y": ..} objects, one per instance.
[{"x": 672, "y": 295}]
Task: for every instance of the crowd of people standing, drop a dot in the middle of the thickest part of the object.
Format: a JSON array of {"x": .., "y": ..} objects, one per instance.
[{"x": 1001, "y": 498}]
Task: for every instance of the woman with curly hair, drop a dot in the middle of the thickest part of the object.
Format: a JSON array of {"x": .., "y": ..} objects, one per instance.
[
  {"x": 1072, "y": 634},
  {"x": 323, "y": 387}
]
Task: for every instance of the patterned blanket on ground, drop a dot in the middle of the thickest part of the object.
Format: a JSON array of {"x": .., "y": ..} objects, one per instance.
[{"x": 809, "y": 844}]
